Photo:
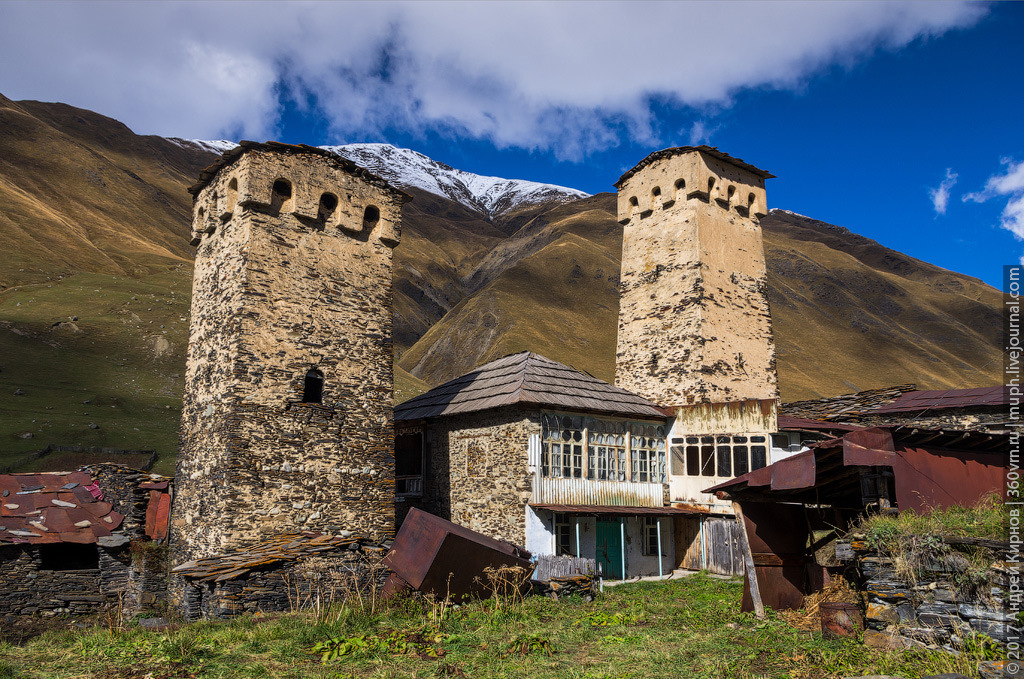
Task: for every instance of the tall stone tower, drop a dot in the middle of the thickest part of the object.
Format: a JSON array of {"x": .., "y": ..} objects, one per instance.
[
  {"x": 694, "y": 325},
  {"x": 287, "y": 420}
]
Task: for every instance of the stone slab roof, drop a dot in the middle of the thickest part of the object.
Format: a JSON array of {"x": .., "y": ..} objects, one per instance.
[
  {"x": 679, "y": 150},
  {"x": 526, "y": 378},
  {"x": 54, "y": 507},
  {"x": 244, "y": 146},
  {"x": 270, "y": 553},
  {"x": 847, "y": 406}
]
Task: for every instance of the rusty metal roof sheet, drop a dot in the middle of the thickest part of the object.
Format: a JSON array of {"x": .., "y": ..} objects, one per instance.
[
  {"x": 244, "y": 146},
  {"x": 271, "y": 552},
  {"x": 678, "y": 150},
  {"x": 526, "y": 378},
  {"x": 54, "y": 507},
  {"x": 952, "y": 468},
  {"x": 948, "y": 398}
]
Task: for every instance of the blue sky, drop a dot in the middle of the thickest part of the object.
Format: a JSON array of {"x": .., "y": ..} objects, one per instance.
[{"x": 899, "y": 121}]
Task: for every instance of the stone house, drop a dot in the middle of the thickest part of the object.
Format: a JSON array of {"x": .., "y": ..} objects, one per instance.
[
  {"x": 531, "y": 451},
  {"x": 66, "y": 540}
]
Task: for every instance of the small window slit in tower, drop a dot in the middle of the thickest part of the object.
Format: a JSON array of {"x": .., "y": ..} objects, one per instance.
[{"x": 313, "y": 388}]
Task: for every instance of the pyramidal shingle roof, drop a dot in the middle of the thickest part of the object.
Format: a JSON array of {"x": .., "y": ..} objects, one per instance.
[{"x": 526, "y": 378}]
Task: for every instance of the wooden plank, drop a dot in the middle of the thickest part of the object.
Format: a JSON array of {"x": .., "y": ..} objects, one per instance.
[{"x": 748, "y": 558}]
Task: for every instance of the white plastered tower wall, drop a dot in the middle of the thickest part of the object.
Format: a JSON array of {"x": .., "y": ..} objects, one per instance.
[{"x": 695, "y": 329}]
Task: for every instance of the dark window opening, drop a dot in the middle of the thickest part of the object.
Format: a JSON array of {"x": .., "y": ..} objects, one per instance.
[
  {"x": 328, "y": 203},
  {"x": 370, "y": 218},
  {"x": 656, "y": 191},
  {"x": 280, "y": 194},
  {"x": 313, "y": 389},
  {"x": 409, "y": 458},
  {"x": 68, "y": 557}
]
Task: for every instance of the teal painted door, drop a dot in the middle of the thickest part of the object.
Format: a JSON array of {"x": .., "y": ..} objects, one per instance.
[{"x": 609, "y": 549}]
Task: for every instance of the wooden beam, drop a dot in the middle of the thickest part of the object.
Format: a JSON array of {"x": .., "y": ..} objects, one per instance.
[{"x": 748, "y": 561}]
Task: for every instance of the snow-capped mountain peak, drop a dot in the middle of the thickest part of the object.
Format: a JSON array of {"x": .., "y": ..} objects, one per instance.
[
  {"x": 490, "y": 195},
  {"x": 407, "y": 168}
]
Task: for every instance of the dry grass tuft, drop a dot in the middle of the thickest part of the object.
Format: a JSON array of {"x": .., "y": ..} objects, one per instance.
[{"x": 808, "y": 617}]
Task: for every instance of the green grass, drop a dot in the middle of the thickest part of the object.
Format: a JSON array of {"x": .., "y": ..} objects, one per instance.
[
  {"x": 685, "y": 628},
  {"x": 108, "y": 374},
  {"x": 988, "y": 518}
]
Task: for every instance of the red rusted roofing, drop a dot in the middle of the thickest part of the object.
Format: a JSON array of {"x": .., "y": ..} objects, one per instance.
[
  {"x": 49, "y": 508},
  {"x": 530, "y": 379},
  {"x": 948, "y": 398}
]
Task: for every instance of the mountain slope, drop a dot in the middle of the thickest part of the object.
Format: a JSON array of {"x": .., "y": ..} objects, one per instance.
[
  {"x": 96, "y": 278},
  {"x": 848, "y": 313}
]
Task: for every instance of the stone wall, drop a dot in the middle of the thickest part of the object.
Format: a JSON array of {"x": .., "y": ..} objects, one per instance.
[
  {"x": 935, "y": 611},
  {"x": 304, "y": 584},
  {"x": 27, "y": 588},
  {"x": 993, "y": 419},
  {"x": 694, "y": 323},
  {"x": 285, "y": 284},
  {"x": 478, "y": 473}
]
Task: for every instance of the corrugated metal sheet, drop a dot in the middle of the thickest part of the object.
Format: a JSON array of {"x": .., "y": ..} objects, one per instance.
[
  {"x": 587, "y": 492},
  {"x": 525, "y": 378},
  {"x": 606, "y": 510}
]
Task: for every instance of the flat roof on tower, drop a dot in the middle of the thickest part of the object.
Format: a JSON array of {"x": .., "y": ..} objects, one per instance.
[
  {"x": 679, "y": 150},
  {"x": 244, "y": 146}
]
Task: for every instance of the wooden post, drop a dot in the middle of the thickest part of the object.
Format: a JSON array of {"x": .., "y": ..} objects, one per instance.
[{"x": 748, "y": 560}]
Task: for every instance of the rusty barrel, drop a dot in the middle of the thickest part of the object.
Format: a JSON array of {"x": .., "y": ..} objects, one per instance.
[{"x": 840, "y": 619}]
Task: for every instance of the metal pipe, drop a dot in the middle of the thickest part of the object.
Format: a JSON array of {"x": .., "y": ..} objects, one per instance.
[
  {"x": 661, "y": 572},
  {"x": 579, "y": 554},
  {"x": 703, "y": 546},
  {"x": 622, "y": 533}
]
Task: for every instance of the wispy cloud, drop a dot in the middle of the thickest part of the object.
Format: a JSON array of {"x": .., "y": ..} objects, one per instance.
[
  {"x": 940, "y": 194},
  {"x": 570, "y": 77},
  {"x": 1009, "y": 183},
  {"x": 701, "y": 133}
]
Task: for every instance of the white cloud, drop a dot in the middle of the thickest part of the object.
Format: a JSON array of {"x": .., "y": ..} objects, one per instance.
[
  {"x": 572, "y": 77},
  {"x": 940, "y": 195},
  {"x": 1009, "y": 183},
  {"x": 701, "y": 133}
]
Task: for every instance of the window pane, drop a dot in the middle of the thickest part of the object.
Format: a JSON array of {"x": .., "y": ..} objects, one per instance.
[
  {"x": 757, "y": 439},
  {"x": 707, "y": 461},
  {"x": 724, "y": 461},
  {"x": 739, "y": 460},
  {"x": 692, "y": 461},
  {"x": 758, "y": 457}
]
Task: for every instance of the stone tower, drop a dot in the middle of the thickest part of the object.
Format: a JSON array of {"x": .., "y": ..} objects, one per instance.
[
  {"x": 694, "y": 325},
  {"x": 287, "y": 420}
]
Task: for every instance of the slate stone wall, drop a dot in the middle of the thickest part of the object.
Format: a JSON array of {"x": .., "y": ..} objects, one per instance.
[
  {"x": 332, "y": 577},
  {"x": 478, "y": 473},
  {"x": 932, "y": 612},
  {"x": 26, "y": 588},
  {"x": 283, "y": 286}
]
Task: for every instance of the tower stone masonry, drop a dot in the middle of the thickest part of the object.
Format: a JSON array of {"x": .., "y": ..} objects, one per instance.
[
  {"x": 694, "y": 324},
  {"x": 287, "y": 420}
]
